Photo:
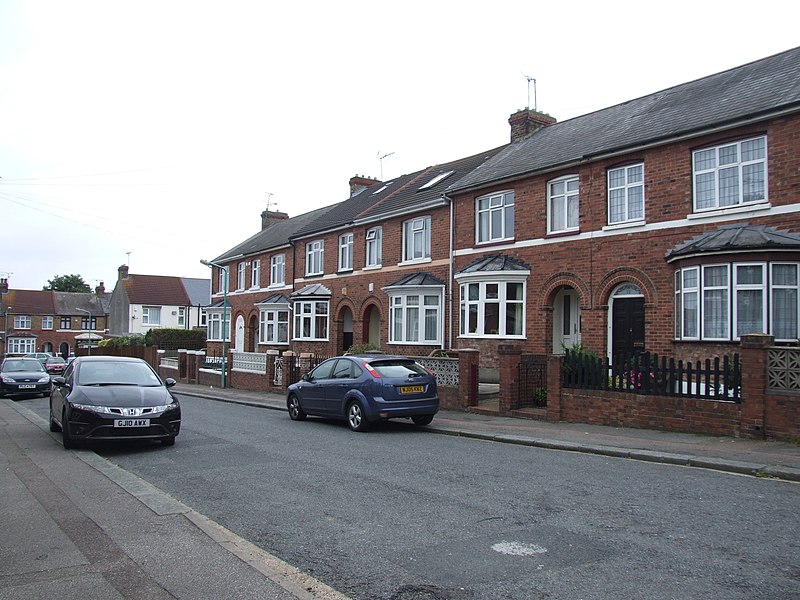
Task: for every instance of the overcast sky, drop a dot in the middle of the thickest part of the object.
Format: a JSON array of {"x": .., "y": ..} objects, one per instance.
[{"x": 153, "y": 134}]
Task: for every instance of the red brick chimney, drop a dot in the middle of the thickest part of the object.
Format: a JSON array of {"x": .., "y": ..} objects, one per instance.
[
  {"x": 526, "y": 122},
  {"x": 268, "y": 217},
  {"x": 358, "y": 183},
  {"x": 100, "y": 289}
]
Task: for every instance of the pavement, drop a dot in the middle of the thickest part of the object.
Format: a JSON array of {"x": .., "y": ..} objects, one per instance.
[{"x": 76, "y": 526}]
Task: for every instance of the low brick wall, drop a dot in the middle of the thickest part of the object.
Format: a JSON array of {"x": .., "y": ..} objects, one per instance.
[
  {"x": 782, "y": 415},
  {"x": 666, "y": 413}
]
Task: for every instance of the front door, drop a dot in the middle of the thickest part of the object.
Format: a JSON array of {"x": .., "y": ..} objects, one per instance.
[
  {"x": 627, "y": 322},
  {"x": 239, "y": 340},
  {"x": 566, "y": 320}
]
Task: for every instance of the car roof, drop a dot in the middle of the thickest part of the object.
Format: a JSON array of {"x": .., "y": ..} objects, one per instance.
[{"x": 375, "y": 357}]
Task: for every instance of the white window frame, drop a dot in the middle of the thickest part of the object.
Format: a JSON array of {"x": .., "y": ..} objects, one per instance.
[
  {"x": 277, "y": 270},
  {"x": 683, "y": 316},
  {"x": 374, "y": 251},
  {"x": 151, "y": 315},
  {"x": 240, "y": 275},
  {"x": 273, "y": 324},
  {"x": 315, "y": 258},
  {"x": 413, "y": 306},
  {"x": 21, "y": 345},
  {"x": 214, "y": 325},
  {"x": 631, "y": 183},
  {"x": 707, "y": 288},
  {"x": 774, "y": 287},
  {"x": 255, "y": 273},
  {"x": 565, "y": 199},
  {"x": 742, "y": 288},
  {"x": 502, "y": 303},
  {"x": 223, "y": 281},
  {"x": 708, "y": 179},
  {"x": 495, "y": 209},
  {"x": 182, "y": 316},
  {"x": 47, "y": 322},
  {"x": 417, "y": 240},
  {"x": 311, "y": 320},
  {"x": 22, "y": 321},
  {"x": 346, "y": 252}
]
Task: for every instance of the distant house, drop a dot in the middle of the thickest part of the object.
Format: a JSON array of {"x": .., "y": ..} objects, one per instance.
[
  {"x": 140, "y": 303},
  {"x": 57, "y": 322}
]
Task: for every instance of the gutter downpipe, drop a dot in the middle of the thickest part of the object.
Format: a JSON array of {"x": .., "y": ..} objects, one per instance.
[{"x": 450, "y": 278}]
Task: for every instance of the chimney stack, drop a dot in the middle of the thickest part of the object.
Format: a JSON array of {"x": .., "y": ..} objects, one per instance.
[
  {"x": 123, "y": 272},
  {"x": 268, "y": 217},
  {"x": 524, "y": 123},
  {"x": 359, "y": 183},
  {"x": 100, "y": 289}
]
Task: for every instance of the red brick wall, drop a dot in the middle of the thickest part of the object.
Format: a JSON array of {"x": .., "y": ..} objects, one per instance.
[{"x": 782, "y": 415}]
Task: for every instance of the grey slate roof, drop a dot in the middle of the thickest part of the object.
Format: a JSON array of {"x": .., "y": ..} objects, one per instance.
[
  {"x": 495, "y": 262},
  {"x": 418, "y": 279},
  {"x": 276, "y": 235},
  {"x": 756, "y": 89},
  {"x": 74, "y": 303},
  {"x": 739, "y": 237},
  {"x": 277, "y": 298},
  {"x": 199, "y": 290},
  {"x": 314, "y": 290}
]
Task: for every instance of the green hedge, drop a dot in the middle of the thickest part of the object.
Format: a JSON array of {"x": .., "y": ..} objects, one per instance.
[{"x": 163, "y": 339}]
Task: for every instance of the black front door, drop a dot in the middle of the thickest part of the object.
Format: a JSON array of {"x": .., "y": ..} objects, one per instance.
[{"x": 627, "y": 336}]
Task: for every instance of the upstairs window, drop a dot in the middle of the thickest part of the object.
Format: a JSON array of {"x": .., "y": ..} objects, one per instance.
[
  {"x": 495, "y": 217},
  {"x": 255, "y": 273},
  {"x": 240, "y": 271},
  {"x": 223, "y": 280},
  {"x": 626, "y": 194},
  {"x": 47, "y": 322},
  {"x": 562, "y": 205},
  {"x": 417, "y": 239},
  {"x": 730, "y": 175},
  {"x": 277, "y": 269},
  {"x": 374, "y": 250},
  {"x": 66, "y": 323},
  {"x": 315, "y": 253},
  {"x": 346, "y": 252},
  {"x": 22, "y": 322}
]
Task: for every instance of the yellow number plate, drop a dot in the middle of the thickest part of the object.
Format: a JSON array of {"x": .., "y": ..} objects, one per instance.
[{"x": 412, "y": 389}]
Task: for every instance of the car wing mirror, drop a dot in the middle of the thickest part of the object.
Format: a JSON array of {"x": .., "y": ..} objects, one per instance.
[
  {"x": 169, "y": 382},
  {"x": 59, "y": 381}
]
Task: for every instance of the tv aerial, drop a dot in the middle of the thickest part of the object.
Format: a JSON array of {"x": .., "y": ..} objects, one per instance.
[{"x": 533, "y": 79}]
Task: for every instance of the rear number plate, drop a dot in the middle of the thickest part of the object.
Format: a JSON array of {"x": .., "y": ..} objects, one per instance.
[
  {"x": 26, "y": 386},
  {"x": 131, "y": 422},
  {"x": 412, "y": 389}
]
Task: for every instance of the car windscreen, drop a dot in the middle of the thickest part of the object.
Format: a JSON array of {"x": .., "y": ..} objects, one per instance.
[
  {"x": 398, "y": 368},
  {"x": 116, "y": 373},
  {"x": 18, "y": 366}
]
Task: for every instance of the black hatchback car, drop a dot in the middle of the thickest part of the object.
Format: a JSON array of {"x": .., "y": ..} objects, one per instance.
[
  {"x": 23, "y": 377},
  {"x": 363, "y": 389},
  {"x": 113, "y": 398}
]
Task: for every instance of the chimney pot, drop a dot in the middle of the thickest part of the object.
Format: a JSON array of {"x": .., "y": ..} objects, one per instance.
[
  {"x": 268, "y": 217},
  {"x": 525, "y": 123}
]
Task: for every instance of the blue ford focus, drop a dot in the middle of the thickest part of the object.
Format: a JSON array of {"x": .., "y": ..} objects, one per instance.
[{"x": 363, "y": 389}]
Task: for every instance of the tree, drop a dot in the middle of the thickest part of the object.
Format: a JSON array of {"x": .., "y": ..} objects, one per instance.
[{"x": 67, "y": 283}]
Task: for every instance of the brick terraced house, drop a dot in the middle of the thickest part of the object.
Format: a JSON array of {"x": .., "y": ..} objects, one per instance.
[{"x": 669, "y": 223}]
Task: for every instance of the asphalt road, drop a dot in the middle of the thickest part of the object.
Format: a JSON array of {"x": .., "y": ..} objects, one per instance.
[{"x": 399, "y": 513}]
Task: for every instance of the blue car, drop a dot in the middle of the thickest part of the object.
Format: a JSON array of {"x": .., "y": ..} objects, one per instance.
[{"x": 363, "y": 389}]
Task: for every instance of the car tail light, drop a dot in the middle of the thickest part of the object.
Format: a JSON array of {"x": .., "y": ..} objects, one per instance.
[
  {"x": 427, "y": 370},
  {"x": 371, "y": 371}
]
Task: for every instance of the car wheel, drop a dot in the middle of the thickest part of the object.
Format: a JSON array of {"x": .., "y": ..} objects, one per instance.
[
  {"x": 66, "y": 438},
  {"x": 355, "y": 417},
  {"x": 422, "y": 419},
  {"x": 168, "y": 441},
  {"x": 296, "y": 412}
]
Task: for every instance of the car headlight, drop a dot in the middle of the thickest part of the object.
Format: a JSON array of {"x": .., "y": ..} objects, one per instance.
[
  {"x": 44, "y": 379},
  {"x": 91, "y": 408},
  {"x": 8, "y": 379}
]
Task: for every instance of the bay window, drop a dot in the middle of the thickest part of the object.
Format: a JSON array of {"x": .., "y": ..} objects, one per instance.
[
  {"x": 274, "y": 325},
  {"x": 415, "y": 317},
  {"x": 311, "y": 320},
  {"x": 216, "y": 325},
  {"x": 492, "y": 308}
]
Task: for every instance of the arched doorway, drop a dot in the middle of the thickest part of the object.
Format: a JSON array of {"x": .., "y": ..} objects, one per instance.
[
  {"x": 63, "y": 350},
  {"x": 347, "y": 328},
  {"x": 252, "y": 345},
  {"x": 239, "y": 340},
  {"x": 372, "y": 329},
  {"x": 566, "y": 319},
  {"x": 626, "y": 307}
]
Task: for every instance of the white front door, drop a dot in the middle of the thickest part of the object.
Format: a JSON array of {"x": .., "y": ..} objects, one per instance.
[
  {"x": 566, "y": 320},
  {"x": 239, "y": 343}
]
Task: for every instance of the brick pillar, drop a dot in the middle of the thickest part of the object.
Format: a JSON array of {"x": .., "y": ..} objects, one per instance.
[
  {"x": 191, "y": 366},
  {"x": 468, "y": 361},
  {"x": 182, "y": 366},
  {"x": 555, "y": 364},
  {"x": 289, "y": 358},
  {"x": 201, "y": 358},
  {"x": 753, "y": 352},
  {"x": 509, "y": 357}
]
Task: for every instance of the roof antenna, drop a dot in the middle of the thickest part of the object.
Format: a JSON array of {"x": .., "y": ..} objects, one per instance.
[
  {"x": 533, "y": 79},
  {"x": 269, "y": 199},
  {"x": 129, "y": 258},
  {"x": 380, "y": 158}
]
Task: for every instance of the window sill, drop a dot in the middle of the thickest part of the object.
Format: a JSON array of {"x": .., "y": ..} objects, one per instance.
[
  {"x": 372, "y": 267},
  {"x": 508, "y": 240},
  {"x": 415, "y": 261},
  {"x": 625, "y": 225},
  {"x": 733, "y": 210},
  {"x": 566, "y": 233}
]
